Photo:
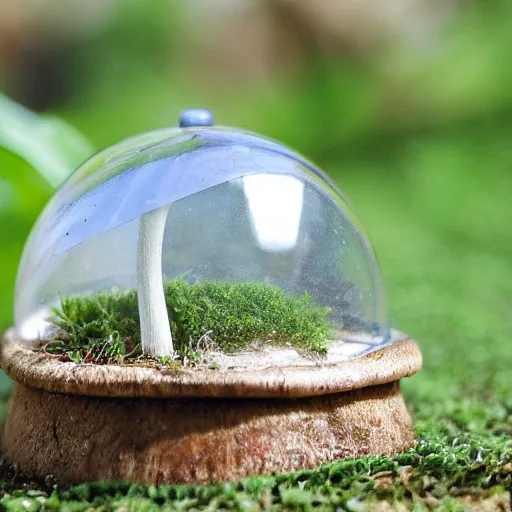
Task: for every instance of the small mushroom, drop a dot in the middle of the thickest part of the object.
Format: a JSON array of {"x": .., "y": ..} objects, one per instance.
[{"x": 155, "y": 330}]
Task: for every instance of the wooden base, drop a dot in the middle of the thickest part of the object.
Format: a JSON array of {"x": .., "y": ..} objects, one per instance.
[
  {"x": 276, "y": 379},
  {"x": 89, "y": 422},
  {"x": 201, "y": 440}
]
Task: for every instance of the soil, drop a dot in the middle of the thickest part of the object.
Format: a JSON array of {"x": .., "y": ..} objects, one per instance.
[{"x": 258, "y": 356}]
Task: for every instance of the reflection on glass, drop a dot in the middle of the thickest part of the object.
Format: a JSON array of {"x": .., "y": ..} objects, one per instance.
[{"x": 275, "y": 206}]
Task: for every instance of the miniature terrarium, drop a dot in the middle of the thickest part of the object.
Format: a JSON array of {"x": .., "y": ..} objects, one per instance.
[
  {"x": 178, "y": 271},
  {"x": 212, "y": 240}
]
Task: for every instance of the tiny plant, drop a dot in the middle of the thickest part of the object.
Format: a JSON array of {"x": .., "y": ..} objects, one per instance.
[{"x": 205, "y": 317}]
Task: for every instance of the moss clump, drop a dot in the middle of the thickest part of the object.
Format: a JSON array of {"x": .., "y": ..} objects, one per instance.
[{"x": 105, "y": 327}]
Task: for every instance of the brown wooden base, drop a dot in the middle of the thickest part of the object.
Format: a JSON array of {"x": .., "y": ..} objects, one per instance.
[{"x": 184, "y": 440}]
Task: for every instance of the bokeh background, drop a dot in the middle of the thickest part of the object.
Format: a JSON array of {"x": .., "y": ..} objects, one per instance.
[{"x": 407, "y": 105}]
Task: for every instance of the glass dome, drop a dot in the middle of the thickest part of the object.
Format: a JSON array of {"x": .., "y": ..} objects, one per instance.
[{"x": 202, "y": 233}]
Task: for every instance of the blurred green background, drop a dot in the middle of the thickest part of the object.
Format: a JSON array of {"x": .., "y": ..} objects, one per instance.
[{"x": 406, "y": 104}]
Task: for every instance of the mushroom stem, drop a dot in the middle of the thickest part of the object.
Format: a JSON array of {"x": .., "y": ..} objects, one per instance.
[{"x": 155, "y": 330}]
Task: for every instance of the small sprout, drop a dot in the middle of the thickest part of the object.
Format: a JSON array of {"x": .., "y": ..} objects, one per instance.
[{"x": 75, "y": 357}]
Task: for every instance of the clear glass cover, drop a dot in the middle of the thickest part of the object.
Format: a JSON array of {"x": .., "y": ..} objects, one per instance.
[{"x": 202, "y": 205}]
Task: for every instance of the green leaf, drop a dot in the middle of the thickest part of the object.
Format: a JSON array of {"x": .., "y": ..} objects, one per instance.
[{"x": 51, "y": 146}]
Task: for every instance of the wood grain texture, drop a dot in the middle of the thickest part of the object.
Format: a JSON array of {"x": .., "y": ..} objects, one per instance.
[
  {"x": 202, "y": 440},
  {"x": 36, "y": 369}
]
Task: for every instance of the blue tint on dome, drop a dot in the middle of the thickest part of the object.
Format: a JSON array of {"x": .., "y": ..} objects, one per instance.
[{"x": 223, "y": 224}]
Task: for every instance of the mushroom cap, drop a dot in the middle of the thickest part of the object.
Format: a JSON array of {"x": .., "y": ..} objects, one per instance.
[
  {"x": 247, "y": 378},
  {"x": 243, "y": 208}
]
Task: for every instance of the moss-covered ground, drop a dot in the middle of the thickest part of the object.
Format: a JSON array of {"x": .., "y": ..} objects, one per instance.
[
  {"x": 105, "y": 327},
  {"x": 443, "y": 238}
]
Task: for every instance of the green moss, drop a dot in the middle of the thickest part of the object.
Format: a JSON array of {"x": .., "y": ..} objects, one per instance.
[
  {"x": 453, "y": 459},
  {"x": 230, "y": 315}
]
